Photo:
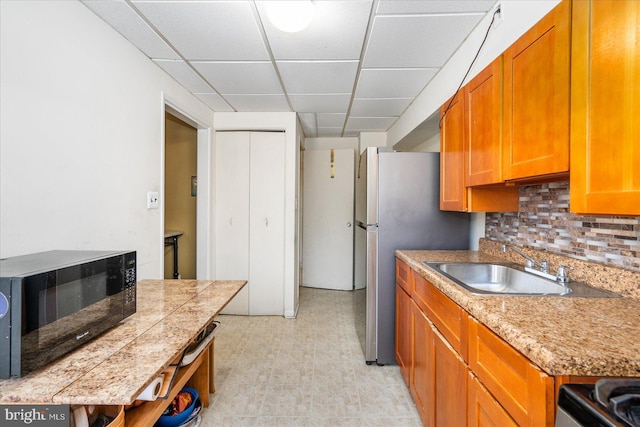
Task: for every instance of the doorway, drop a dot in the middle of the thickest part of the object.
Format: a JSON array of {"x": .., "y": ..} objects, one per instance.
[
  {"x": 328, "y": 219},
  {"x": 180, "y": 195}
]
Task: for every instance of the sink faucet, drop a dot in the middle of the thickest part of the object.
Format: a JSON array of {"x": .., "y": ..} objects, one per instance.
[
  {"x": 531, "y": 263},
  {"x": 530, "y": 266}
]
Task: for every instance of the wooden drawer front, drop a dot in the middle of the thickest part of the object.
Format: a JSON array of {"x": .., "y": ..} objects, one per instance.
[
  {"x": 522, "y": 389},
  {"x": 483, "y": 410},
  {"x": 403, "y": 274},
  {"x": 446, "y": 315}
]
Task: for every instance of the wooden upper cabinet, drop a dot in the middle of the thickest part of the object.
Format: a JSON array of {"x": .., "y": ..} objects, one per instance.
[
  {"x": 483, "y": 126},
  {"x": 605, "y": 99},
  {"x": 536, "y": 98},
  {"x": 452, "y": 156},
  {"x": 454, "y": 160}
]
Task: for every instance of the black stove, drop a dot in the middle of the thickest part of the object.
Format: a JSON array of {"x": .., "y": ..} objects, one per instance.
[{"x": 607, "y": 403}]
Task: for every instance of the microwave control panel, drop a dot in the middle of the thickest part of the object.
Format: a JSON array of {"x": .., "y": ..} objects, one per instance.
[{"x": 129, "y": 284}]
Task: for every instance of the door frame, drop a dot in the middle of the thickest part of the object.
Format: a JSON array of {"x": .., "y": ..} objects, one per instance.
[{"x": 204, "y": 203}]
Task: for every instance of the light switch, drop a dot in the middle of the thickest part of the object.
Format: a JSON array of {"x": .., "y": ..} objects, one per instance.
[{"x": 152, "y": 200}]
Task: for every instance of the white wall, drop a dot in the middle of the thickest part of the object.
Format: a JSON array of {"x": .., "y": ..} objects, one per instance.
[
  {"x": 431, "y": 145},
  {"x": 81, "y": 141},
  {"x": 287, "y": 122},
  {"x": 372, "y": 139},
  {"x": 329, "y": 143},
  {"x": 518, "y": 17}
]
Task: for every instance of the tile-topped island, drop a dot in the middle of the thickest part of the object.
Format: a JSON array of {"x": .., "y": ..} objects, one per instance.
[{"x": 115, "y": 367}]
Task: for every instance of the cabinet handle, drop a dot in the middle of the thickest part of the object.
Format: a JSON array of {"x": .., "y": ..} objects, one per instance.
[
  {"x": 266, "y": 222},
  {"x": 348, "y": 225},
  {"x": 231, "y": 221}
]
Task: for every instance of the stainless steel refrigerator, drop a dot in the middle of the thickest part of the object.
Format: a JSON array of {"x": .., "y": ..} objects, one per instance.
[{"x": 397, "y": 207}]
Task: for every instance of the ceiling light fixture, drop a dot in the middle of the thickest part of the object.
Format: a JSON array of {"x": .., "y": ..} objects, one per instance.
[{"x": 290, "y": 16}]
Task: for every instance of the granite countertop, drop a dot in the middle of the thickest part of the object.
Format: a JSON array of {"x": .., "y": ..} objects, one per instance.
[
  {"x": 114, "y": 368},
  {"x": 561, "y": 335}
]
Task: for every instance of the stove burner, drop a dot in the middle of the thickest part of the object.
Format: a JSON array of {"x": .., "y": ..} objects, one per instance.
[
  {"x": 607, "y": 403},
  {"x": 621, "y": 397}
]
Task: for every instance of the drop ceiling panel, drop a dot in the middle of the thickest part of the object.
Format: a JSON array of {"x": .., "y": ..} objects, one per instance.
[
  {"x": 307, "y": 118},
  {"x": 379, "y": 107},
  {"x": 222, "y": 31},
  {"x": 394, "y": 50},
  {"x": 132, "y": 27},
  {"x": 334, "y": 103},
  {"x": 240, "y": 77},
  {"x": 416, "y": 41},
  {"x": 184, "y": 75},
  {"x": 393, "y": 83},
  {"x": 331, "y": 120},
  {"x": 330, "y": 132},
  {"x": 433, "y": 6},
  {"x": 214, "y": 101},
  {"x": 336, "y": 32},
  {"x": 318, "y": 76},
  {"x": 259, "y": 103}
]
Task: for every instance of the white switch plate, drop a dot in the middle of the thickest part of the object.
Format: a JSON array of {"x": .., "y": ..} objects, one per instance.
[{"x": 152, "y": 200}]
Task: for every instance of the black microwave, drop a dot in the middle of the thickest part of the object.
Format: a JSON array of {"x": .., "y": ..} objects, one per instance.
[{"x": 53, "y": 302}]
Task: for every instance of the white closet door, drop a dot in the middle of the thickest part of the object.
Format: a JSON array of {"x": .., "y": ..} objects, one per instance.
[
  {"x": 232, "y": 214},
  {"x": 327, "y": 234},
  {"x": 266, "y": 219}
]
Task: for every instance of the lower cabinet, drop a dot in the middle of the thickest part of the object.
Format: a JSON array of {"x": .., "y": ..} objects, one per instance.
[
  {"x": 519, "y": 386},
  {"x": 482, "y": 409},
  {"x": 422, "y": 369},
  {"x": 404, "y": 334},
  {"x": 438, "y": 377},
  {"x": 497, "y": 387},
  {"x": 450, "y": 378}
]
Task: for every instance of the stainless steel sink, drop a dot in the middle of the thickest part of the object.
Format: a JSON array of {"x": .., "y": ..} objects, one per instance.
[{"x": 510, "y": 279}]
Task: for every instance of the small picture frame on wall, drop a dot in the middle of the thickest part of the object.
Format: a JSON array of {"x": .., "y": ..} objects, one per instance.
[{"x": 194, "y": 186}]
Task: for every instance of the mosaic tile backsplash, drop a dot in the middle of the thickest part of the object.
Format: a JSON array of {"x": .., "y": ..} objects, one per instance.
[{"x": 545, "y": 223}]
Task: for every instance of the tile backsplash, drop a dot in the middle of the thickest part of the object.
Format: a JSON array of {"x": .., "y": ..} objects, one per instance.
[{"x": 545, "y": 223}]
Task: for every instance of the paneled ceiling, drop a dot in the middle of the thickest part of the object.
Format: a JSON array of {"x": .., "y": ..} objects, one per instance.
[{"x": 356, "y": 67}]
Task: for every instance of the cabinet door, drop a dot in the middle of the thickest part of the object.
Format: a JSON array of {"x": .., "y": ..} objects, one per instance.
[
  {"x": 266, "y": 223},
  {"x": 483, "y": 118},
  {"x": 521, "y": 388},
  {"x": 450, "y": 319},
  {"x": 483, "y": 410},
  {"x": 536, "y": 98},
  {"x": 450, "y": 384},
  {"x": 453, "y": 195},
  {"x": 422, "y": 383},
  {"x": 232, "y": 214},
  {"x": 404, "y": 332},
  {"x": 605, "y": 102}
]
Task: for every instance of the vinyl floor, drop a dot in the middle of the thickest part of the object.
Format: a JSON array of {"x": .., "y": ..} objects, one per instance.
[{"x": 308, "y": 371}]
